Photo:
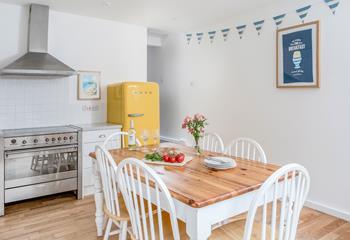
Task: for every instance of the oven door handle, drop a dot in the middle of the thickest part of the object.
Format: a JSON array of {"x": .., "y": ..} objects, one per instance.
[{"x": 34, "y": 152}]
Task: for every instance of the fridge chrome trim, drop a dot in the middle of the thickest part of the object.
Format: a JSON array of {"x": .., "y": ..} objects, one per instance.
[{"x": 136, "y": 114}]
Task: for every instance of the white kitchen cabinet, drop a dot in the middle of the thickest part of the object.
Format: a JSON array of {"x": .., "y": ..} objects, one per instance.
[{"x": 92, "y": 135}]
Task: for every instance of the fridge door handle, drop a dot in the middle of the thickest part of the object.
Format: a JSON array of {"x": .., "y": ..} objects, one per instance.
[{"x": 136, "y": 115}]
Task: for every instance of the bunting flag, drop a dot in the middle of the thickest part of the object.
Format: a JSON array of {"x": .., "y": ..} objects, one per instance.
[
  {"x": 332, "y": 4},
  {"x": 240, "y": 30},
  {"x": 302, "y": 12},
  {"x": 211, "y": 36},
  {"x": 188, "y": 37},
  {"x": 199, "y": 37},
  {"x": 225, "y": 33},
  {"x": 258, "y": 25},
  {"x": 279, "y": 19}
]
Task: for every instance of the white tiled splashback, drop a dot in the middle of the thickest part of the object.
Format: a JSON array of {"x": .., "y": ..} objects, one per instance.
[{"x": 45, "y": 102}]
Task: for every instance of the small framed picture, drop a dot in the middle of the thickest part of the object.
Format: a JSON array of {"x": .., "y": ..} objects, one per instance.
[
  {"x": 89, "y": 85},
  {"x": 298, "y": 56}
]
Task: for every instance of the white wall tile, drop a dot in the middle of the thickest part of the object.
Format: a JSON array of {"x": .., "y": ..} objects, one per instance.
[{"x": 118, "y": 50}]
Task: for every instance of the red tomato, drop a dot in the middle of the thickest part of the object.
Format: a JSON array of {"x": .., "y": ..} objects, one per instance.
[
  {"x": 180, "y": 157},
  {"x": 172, "y": 159},
  {"x": 166, "y": 158}
]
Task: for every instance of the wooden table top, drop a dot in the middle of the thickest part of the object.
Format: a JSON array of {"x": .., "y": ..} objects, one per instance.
[{"x": 198, "y": 186}]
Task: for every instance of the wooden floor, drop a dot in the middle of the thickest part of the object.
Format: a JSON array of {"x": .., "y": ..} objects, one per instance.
[{"x": 63, "y": 217}]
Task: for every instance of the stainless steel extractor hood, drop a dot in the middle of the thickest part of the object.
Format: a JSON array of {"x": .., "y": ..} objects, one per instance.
[{"x": 37, "y": 62}]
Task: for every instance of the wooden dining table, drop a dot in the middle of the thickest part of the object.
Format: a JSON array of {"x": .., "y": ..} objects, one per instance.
[{"x": 203, "y": 197}]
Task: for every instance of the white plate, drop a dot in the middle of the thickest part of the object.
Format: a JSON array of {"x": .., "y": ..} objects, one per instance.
[
  {"x": 222, "y": 163},
  {"x": 187, "y": 159}
]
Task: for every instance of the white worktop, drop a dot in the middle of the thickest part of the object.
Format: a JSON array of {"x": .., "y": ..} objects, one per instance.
[{"x": 98, "y": 126}]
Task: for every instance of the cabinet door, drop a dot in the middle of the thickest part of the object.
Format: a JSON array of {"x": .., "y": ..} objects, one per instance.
[
  {"x": 87, "y": 149},
  {"x": 90, "y": 140}
]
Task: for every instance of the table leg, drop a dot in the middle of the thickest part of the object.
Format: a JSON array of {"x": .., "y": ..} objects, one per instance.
[
  {"x": 99, "y": 215},
  {"x": 197, "y": 225}
]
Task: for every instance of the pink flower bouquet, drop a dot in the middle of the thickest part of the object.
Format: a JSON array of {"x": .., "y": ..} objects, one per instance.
[{"x": 195, "y": 126}]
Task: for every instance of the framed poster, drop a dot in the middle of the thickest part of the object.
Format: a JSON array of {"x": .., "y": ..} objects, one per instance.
[
  {"x": 89, "y": 85},
  {"x": 298, "y": 56}
]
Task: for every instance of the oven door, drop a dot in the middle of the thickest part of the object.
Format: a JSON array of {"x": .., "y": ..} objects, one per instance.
[{"x": 27, "y": 167}]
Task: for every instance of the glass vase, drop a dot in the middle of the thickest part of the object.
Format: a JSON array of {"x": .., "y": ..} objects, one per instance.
[{"x": 197, "y": 147}]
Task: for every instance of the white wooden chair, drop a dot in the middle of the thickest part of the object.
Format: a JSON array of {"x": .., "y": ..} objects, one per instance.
[
  {"x": 212, "y": 142},
  {"x": 288, "y": 198},
  {"x": 110, "y": 141},
  {"x": 137, "y": 194},
  {"x": 246, "y": 148},
  {"x": 114, "y": 206}
]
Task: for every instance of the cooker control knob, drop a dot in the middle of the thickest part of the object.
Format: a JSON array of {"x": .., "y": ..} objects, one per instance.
[
  {"x": 71, "y": 138},
  {"x": 24, "y": 142},
  {"x": 47, "y": 139},
  {"x": 59, "y": 138},
  {"x": 13, "y": 141},
  {"x": 65, "y": 138},
  {"x": 35, "y": 141},
  {"x": 53, "y": 139}
]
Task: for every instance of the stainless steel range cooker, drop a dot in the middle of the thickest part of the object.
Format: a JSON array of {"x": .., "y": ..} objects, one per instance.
[{"x": 39, "y": 161}]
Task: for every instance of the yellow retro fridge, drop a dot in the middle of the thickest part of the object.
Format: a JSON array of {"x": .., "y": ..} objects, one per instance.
[{"x": 137, "y": 101}]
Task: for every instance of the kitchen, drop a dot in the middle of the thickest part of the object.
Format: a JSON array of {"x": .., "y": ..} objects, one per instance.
[{"x": 46, "y": 110}]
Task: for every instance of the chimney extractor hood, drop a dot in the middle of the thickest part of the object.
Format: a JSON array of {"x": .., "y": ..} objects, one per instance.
[{"x": 37, "y": 62}]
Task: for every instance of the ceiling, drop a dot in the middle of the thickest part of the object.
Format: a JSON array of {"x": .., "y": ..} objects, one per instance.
[{"x": 170, "y": 15}]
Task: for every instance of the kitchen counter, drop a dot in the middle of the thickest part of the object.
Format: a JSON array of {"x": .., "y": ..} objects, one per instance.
[{"x": 98, "y": 126}]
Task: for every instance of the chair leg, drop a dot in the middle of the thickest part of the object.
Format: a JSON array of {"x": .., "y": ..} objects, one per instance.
[
  {"x": 123, "y": 230},
  {"x": 108, "y": 229}
]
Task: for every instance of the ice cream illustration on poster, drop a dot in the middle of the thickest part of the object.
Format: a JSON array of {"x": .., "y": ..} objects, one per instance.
[{"x": 297, "y": 57}]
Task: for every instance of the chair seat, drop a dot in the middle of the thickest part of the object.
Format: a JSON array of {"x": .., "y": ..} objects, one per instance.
[
  {"x": 167, "y": 229},
  {"x": 124, "y": 214},
  {"x": 235, "y": 231}
]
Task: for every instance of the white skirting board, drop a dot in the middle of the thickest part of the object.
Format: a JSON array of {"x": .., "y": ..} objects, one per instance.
[
  {"x": 311, "y": 204},
  {"x": 328, "y": 210}
]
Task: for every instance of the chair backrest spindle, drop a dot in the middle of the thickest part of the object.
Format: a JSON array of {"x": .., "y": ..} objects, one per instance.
[
  {"x": 140, "y": 186},
  {"x": 287, "y": 190},
  {"x": 212, "y": 142},
  {"x": 107, "y": 168},
  {"x": 247, "y": 149}
]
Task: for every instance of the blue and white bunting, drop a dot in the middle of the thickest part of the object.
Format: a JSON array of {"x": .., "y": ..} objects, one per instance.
[
  {"x": 240, "y": 30},
  {"x": 258, "y": 25},
  {"x": 188, "y": 37},
  {"x": 332, "y": 4},
  {"x": 302, "y": 12},
  {"x": 211, "y": 36},
  {"x": 199, "y": 37},
  {"x": 225, "y": 33},
  {"x": 279, "y": 19}
]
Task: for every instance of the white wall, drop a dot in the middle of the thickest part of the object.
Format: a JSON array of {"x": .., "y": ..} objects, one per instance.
[
  {"x": 118, "y": 50},
  {"x": 233, "y": 84}
]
